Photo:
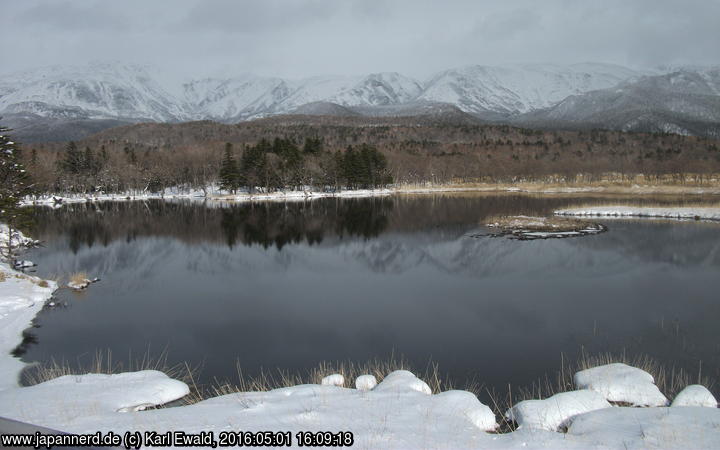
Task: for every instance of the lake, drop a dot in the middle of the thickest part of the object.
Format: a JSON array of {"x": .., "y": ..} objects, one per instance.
[{"x": 285, "y": 285}]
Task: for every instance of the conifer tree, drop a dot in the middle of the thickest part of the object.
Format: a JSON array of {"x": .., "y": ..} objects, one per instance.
[
  {"x": 229, "y": 173},
  {"x": 72, "y": 163},
  {"x": 14, "y": 186}
]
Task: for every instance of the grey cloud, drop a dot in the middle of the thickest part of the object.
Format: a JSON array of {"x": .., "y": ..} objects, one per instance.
[{"x": 296, "y": 38}]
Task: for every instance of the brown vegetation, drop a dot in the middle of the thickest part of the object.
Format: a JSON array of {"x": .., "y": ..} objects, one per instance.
[{"x": 418, "y": 150}]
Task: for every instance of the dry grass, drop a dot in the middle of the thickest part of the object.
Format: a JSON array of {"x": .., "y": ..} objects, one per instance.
[
  {"x": 103, "y": 363},
  {"x": 552, "y": 223},
  {"x": 607, "y": 185},
  {"x": 78, "y": 277},
  {"x": 670, "y": 381},
  {"x": 43, "y": 283},
  {"x": 267, "y": 381},
  {"x": 2, "y": 277}
]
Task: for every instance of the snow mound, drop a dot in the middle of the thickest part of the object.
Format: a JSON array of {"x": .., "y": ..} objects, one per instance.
[
  {"x": 333, "y": 380},
  {"x": 463, "y": 403},
  {"x": 619, "y": 382},
  {"x": 365, "y": 382},
  {"x": 695, "y": 395},
  {"x": 694, "y": 213},
  {"x": 91, "y": 394},
  {"x": 555, "y": 412},
  {"x": 403, "y": 380},
  {"x": 676, "y": 428}
]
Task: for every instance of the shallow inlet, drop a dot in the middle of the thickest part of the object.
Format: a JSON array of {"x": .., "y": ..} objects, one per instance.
[{"x": 287, "y": 285}]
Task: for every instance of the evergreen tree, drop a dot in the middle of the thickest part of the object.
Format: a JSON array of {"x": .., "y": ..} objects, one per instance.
[
  {"x": 229, "y": 173},
  {"x": 73, "y": 161},
  {"x": 254, "y": 165},
  {"x": 313, "y": 145},
  {"x": 14, "y": 186}
]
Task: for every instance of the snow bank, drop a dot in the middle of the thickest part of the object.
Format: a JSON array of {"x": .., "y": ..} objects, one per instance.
[
  {"x": 641, "y": 428},
  {"x": 21, "y": 298},
  {"x": 619, "y": 382},
  {"x": 640, "y": 211},
  {"x": 695, "y": 395},
  {"x": 72, "y": 396},
  {"x": 465, "y": 404},
  {"x": 554, "y": 412}
]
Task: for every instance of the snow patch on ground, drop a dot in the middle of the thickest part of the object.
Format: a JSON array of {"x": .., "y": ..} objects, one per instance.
[
  {"x": 696, "y": 213},
  {"x": 642, "y": 428},
  {"x": 695, "y": 395},
  {"x": 21, "y": 298},
  {"x": 619, "y": 382},
  {"x": 75, "y": 396},
  {"x": 554, "y": 412}
]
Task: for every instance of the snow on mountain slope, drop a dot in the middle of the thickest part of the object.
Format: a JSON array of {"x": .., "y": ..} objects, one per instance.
[
  {"x": 236, "y": 98},
  {"x": 609, "y": 96},
  {"x": 250, "y": 96},
  {"x": 98, "y": 90},
  {"x": 520, "y": 88},
  {"x": 380, "y": 89},
  {"x": 684, "y": 102}
]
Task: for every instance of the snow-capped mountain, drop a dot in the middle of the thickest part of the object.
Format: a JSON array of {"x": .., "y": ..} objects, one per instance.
[
  {"x": 95, "y": 91},
  {"x": 686, "y": 101},
  {"x": 520, "y": 88},
  {"x": 250, "y": 96},
  {"x": 62, "y": 96}
]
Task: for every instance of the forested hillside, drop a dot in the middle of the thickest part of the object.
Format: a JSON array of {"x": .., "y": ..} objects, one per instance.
[{"x": 291, "y": 151}]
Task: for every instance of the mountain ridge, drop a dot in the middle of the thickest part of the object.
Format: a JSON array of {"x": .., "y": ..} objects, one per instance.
[{"x": 523, "y": 94}]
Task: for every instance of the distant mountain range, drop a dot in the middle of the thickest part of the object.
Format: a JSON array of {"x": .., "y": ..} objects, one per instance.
[{"x": 63, "y": 102}]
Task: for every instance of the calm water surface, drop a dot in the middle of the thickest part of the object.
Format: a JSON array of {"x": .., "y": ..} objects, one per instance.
[{"x": 287, "y": 285}]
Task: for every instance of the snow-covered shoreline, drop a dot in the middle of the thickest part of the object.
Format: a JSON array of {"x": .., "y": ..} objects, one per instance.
[
  {"x": 689, "y": 212},
  {"x": 213, "y": 193},
  {"x": 399, "y": 412},
  {"x": 21, "y": 298}
]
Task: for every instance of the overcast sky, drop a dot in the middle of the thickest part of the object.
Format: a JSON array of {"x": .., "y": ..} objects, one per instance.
[{"x": 297, "y": 38}]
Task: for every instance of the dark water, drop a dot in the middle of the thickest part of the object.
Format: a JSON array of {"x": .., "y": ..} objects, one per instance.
[{"x": 287, "y": 285}]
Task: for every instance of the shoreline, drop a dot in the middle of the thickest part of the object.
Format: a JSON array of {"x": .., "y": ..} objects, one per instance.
[{"x": 213, "y": 194}]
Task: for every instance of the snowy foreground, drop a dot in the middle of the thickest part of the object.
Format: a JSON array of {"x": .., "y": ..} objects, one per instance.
[
  {"x": 399, "y": 411},
  {"x": 692, "y": 213}
]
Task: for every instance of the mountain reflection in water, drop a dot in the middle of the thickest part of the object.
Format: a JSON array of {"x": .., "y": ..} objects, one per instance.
[{"x": 288, "y": 284}]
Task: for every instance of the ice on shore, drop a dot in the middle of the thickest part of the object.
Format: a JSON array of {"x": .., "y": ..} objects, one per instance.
[
  {"x": 695, "y": 395},
  {"x": 554, "y": 412},
  {"x": 619, "y": 382}
]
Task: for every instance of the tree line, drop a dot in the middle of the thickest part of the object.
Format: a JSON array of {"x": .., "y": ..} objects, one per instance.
[
  {"x": 268, "y": 166},
  {"x": 352, "y": 153}
]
